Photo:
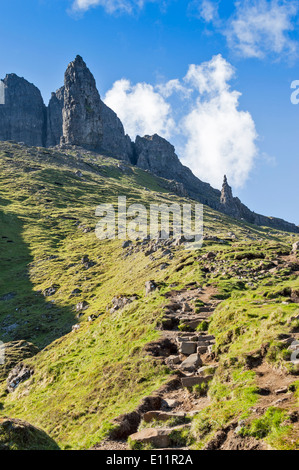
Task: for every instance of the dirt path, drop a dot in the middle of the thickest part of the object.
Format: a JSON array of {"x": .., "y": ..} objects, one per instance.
[
  {"x": 186, "y": 352},
  {"x": 189, "y": 353}
]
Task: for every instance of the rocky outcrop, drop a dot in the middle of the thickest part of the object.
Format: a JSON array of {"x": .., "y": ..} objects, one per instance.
[
  {"x": 233, "y": 207},
  {"x": 54, "y": 118},
  {"x": 17, "y": 375},
  {"x": 20, "y": 435},
  {"x": 82, "y": 123},
  {"x": 15, "y": 352},
  {"x": 114, "y": 141},
  {"x": 157, "y": 155},
  {"x": 22, "y": 112},
  {"x": 87, "y": 121}
]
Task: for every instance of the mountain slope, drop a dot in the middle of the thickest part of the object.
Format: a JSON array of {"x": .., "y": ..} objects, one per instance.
[{"x": 54, "y": 267}]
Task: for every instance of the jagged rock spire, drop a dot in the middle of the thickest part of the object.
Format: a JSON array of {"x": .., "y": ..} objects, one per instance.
[
  {"x": 82, "y": 124},
  {"x": 226, "y": 192},
  {"x": 87, "y": 121}
]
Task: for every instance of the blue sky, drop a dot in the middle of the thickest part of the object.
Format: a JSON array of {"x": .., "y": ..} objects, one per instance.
[{"x": 212, "y": 77}]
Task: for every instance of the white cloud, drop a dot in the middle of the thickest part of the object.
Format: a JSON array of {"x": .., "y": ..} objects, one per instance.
[
  {"x": 141, "y": 108},
  {"x": 111, "y": 6},
  {"x": 204, "y": 9},
  {"x": 210, "y": 76},
  {"x": 215, "y": 137},
  {"x": 260, "y": 27},
  {"x": 173, "y": 86},
  {"x": 220, "y": 139}
]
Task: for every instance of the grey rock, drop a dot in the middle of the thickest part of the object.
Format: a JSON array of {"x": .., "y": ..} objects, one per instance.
[
  {"x": 233, "y": 207},
  {"x": 82, "y": 306},
  {"x": 87, "y": 121},
  {"x": 188, "y": 347},
  {"x": 76, "y": 116},
  {"x": 82, "y": 123},
  {"x": 191, "y": 363},
  {"x": 114, "y": 140},
  {"x": 54, "y": 118},
  {"x": 150, "y": 286},
  {"x": 157, "y": 155},
  {"x": 159, "y": 438},
  {"x": 197, "y": 380},
  {"x": 50, "y": 291},
  {"x": 17, "y": 375},
  {"x": 170, "y": 403},
  {"x": 7, "y": 297},
  {"x": 295, "y": 247},
  {"x": 23, "y": 114},
  {"x": 120, "y": 302},
  {"x": 174, "y": 359}
]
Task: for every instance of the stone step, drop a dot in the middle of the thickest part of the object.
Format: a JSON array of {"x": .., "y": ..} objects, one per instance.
[
  {"x": 158, "y": 437},
  {"x": 206, "y": 338},
  {"x": 188, "y": 347},
  {"x": 197, "y": 380}
]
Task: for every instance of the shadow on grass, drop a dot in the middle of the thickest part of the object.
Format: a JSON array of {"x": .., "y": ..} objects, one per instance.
[{"x": 24, "y": 313}]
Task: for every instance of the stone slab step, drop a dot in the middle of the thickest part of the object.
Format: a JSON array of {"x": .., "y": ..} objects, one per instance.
[
  {"x": 197, "y": 380},
  {"x": 158, "y": 437}
]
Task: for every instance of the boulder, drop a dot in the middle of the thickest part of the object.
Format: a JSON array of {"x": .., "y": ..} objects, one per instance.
[
  {"x": 191, "y": 363},
  {"x": 295, "y": 247},
  {"x": 20, "y": 435},
  {"x": 158, "y": 438},
  {"x": 81, "y": 306},
  {"x": 86, "y": 120},
  {"x": 16, "y": 352},
  {"x": 17, "y": 375},
  {"x": 150, "y": 286}
]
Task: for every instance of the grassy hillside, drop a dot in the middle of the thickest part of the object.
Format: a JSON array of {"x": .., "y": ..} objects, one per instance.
[{"x": 51, "y": 261}]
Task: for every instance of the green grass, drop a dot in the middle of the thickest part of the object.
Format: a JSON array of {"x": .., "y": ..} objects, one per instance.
[{"x": 83, "y": 380}]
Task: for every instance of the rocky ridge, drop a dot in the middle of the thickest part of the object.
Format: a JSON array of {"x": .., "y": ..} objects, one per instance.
[{"x": 76, "y": 116}]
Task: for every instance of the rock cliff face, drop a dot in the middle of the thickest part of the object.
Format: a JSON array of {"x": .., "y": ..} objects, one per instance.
[
  {"x": 114, "y": 141},
  {"x": 155, "y": 154},
  {"x": 23, "y": 113},
  {"x": 87, "y": 121},
  {"x": 76, "y": 116}
]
